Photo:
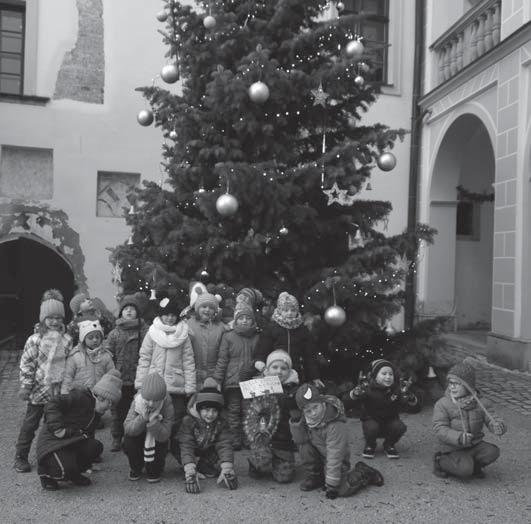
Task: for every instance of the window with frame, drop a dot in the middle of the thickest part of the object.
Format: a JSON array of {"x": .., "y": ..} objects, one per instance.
[
  {"x": 468, "y": 220},
  {"x": 374, "y": 28},
  {"x": 12, "y": 25}
]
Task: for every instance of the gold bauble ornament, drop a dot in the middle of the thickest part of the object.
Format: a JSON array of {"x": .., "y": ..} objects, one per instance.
[
  {"x": 259, "y": 92},
  {"x": 227, "y": 205},
  {"x": 209, "y": 22},
  {"x": 386, "y": 161},
  {"x": 335, "y": 316},
  {"x": 145, "y": 117},
  {"x": 355, "y": 49},
  {"x": 162, "y": 16},
  {"x": 170, "y": 73}
]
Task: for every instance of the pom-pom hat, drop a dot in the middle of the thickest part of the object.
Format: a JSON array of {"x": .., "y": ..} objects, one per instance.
[
  {"x": 376, "y": 365},
  {"x": 285, "y": 301},
  {"x": 109, "y": 386},
  {"x": 88, "y": 326},
  {"x": 168, "y": 306},
  {"x": 209, "y": 396},
  {"x": 51, "y": 305},
  {"x": 205, "y": 299},
  {"x": 153, "y": 387},
  {"x": 465, "y": 374},
  {"x": 75, "y": 303},
  {"x": 306, "y": 394},
  {"x": 279, "y": 354}
]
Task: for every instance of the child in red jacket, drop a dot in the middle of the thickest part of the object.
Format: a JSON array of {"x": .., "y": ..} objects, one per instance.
[{"x": 322, "y": 437}]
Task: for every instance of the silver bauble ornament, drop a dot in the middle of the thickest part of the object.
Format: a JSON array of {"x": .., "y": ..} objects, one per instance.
[
  {"x": 145, "y": 117},
  {"x": 359, "y": 81},
  {"x": 227, "y": 205},
  {"x": 355, "y": 49},
  {"x": 162, "y": 16},
  {"x": 209, "y": 22},
  {"x": 170, "y": 73},
  {"x": 340, "y": 6},
  {"x": 173, "y": 134},
  {"x": 283, "y": 231},
  {"x": 335, "y": 316},
  {"x": 259, "y": 92},
  {"x": 386, "y": 161}
]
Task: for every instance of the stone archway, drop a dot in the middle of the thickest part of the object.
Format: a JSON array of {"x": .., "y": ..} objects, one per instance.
[
  {"x": 29, "y": 266},
  {"x": 459, "y": 265}
]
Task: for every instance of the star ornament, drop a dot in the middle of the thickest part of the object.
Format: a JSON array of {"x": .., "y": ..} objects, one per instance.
[
  {"x": 319, "y": 96},
  {"x": 335, "y": 195}
]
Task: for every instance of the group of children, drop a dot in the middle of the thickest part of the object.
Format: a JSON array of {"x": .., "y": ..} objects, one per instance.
[{"x": 174, "y": 387}]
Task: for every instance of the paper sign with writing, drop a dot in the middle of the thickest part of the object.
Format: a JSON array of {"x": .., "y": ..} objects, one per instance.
[{"x": 261, "y": 386}]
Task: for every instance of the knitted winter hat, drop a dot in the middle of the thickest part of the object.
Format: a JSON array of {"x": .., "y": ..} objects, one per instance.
[
  {"x": 209, "y": 396},
  {"x": 51, "y": 304},
  {"x": 279, "y": 354},
  {"x": 464, "y": 373},
  {"x": 109, "y": 386},
  {"x": 168, "y": 306},
  {"x": 196, "y": 289},
  {"x": 242, "y": 308},
  {"x": 306, "y": 394},
  {"x": 153, "y": 387},
  {"x": 376, "y": 365},
  {"x": 88, "y": 326},
  {"x": 206, "y": 299},
  {"x": 130, "y": 300},
  {"x": 286, "y": 300},
  {"x": 250, "y": 295},
  {"x": 76, "y": 302}
]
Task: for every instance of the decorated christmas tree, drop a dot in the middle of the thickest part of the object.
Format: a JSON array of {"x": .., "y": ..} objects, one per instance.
[{"x": 264, "y": 157}]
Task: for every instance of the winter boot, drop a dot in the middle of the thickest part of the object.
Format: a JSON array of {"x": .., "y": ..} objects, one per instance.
[
  {"x": 49, "y": 484},
  {"x": 374, "y": 477},
  {"x": 437, "y": 470},
  {"x": 81, "y": 480},
  {"x": 312, "y": 482},
  {"x": 21, "y": 464},
  {"x": 355, "y": 481}
]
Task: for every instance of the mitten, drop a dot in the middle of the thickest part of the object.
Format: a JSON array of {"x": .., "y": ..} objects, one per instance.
[
  {"x": 191, "y": 483},
  {"x": 356, "y": 392},
  {"x": 228, "y": 476},
  {"x": 24, "y": 394},
  {"x": 259, "y": 366},
  {"x": 499, "y": 427},
  {"x": 331, "y": 492}
]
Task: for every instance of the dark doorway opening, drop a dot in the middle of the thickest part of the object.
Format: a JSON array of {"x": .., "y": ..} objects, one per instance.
[{"x": 28, "y": 268}]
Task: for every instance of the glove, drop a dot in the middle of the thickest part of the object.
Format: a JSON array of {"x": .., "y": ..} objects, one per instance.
[
  {"x": 318, "y": 383},
  {"x": 24, "y": 394},
  {"x": 191, "y": 483},
  {"x": 356, "y": 392},
  {"x": 154, "y": 421},
  {"x": 331, "y": 492},
  {"x": 465, "y": 439},
  {"x": 259, "y": 366},
  {"x": 499, "y": 427},
  {"x": 228, "y": 476}
]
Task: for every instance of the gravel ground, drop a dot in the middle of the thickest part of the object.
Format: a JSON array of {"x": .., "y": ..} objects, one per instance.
[{"x": 411, "y": 493}]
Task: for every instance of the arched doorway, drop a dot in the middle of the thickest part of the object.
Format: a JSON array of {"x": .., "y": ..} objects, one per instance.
[
  {"x": 28, "y": 266},
  {"x": 459, "y": 276}
]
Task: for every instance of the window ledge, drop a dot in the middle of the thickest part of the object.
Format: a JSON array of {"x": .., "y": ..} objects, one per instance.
[{"x": 24, "y": 99}]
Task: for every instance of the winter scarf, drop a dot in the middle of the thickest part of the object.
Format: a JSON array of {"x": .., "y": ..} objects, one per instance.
[
  {"x": 151, "y": 413},
  {"x": 245, "y": 331},
  {"x": 168, "y": 336},
  {"x": 54, "y": 367},
  {"x": 288, "y": 323},
  {"x": 94, "y": 355},
  {"x": 122, "y": 323}
]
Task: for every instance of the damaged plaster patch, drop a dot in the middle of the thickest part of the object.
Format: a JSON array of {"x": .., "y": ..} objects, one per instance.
[
  {"x": 82, "y": 73},
  {"x": 49, "y": 225}
]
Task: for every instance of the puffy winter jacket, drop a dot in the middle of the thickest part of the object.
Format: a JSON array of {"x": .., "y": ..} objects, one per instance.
[
  {"x": 174, "y": 364},
  {"x": 135, "y": 424},
  {"x": 330, "y": 438},
  {"x": 196, "y": 435},
  {"x": 74, "y": 413},
  {"x": 450, "y": 421},
  {"x": 81, "y": 372},
  {"x": 235, "y": 353},
  {"x": 383, "y": 403},
  {"x": 297, "y": 342},
  {"x": 206, "y": 339},
  {"x": 124, "y": 343}
]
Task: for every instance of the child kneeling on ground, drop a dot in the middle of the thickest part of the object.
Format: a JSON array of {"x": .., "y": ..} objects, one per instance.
[
  {"x": 381, "y": 402},
  {"x": 147, "y": 429},
  {"x": 205, "y": 434},
  {"x": 66, "y": 446},
  {"x": 267, "y": 423},
  {"x": 321, "y": 434},
  {"x": 458, "y": 420}
]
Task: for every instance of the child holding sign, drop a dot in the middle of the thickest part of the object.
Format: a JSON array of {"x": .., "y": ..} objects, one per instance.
[{"x": 267, "y": 423}]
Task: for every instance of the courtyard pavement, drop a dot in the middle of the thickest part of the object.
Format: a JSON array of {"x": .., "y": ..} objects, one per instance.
[{"x": 411, "y": 493}]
